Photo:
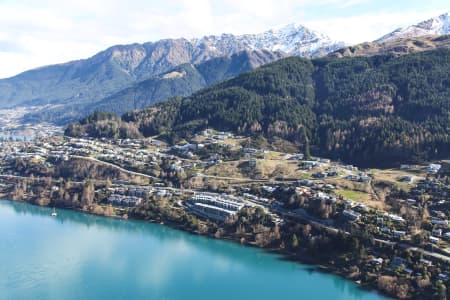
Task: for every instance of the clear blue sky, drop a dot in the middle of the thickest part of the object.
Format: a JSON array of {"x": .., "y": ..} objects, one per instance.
[{"x": 36, "y": 33}]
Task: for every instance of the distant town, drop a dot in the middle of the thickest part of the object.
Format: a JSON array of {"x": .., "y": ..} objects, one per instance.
[
  {"x": 389, "y": 229},
  {"x": 12, "y": 127}
]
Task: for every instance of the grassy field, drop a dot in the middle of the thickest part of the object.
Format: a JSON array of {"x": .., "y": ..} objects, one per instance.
[
  {"x": 225, "y": 169},
  {"x": 392, "y": 176},
  {"x": 354, "y": 195},
  {"x": 362, "y": 197},
  {"x": 273, "y": 155},
  {"x": 264, "y": 169}
]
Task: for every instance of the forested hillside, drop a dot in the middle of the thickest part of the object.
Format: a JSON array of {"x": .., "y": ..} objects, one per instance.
[
  {"x": 182, "y": 80},
  {"x": 379, "y": 110}
]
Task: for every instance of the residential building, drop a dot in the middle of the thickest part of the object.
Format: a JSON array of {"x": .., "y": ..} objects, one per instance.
[
  {"x": 119, "y": 200},
  {"x": 214, "y": 206}
]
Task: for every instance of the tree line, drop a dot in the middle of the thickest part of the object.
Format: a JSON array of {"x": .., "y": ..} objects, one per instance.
[{"x": 373, "y": 111}]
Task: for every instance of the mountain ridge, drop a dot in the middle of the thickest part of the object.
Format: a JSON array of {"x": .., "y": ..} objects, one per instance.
[
  {"x": 399, "y": 46},
  {"x": 293, "y": 39},
  {"x": 182, "y": 80},
  {"x": 119, "y": 66},
  {"x": 434, "y": 26}
]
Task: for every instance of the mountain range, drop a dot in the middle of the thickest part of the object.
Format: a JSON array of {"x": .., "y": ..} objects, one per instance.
[
  {"x": 399, "y": 46},
  {"x": 126, "y": 77},
  {"x": 182, "y": 80},
  {"x": 292, "y": 39},
  {"x": 435, "y": 26},
  {"x": 119, "y": 65}
]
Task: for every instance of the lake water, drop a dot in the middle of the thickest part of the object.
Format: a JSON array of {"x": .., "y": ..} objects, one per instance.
[{"x": 78, "y": 256}]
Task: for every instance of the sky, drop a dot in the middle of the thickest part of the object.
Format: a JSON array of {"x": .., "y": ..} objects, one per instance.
[{"x": 35, "y": 33}]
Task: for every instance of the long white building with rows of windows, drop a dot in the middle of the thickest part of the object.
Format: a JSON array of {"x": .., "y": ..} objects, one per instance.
[{"x": 214, "y": 206}]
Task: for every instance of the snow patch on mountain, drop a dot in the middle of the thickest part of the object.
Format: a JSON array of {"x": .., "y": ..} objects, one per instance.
[
  {"x": 293, "y": 39},
  {"x": 434, "y": 26}
]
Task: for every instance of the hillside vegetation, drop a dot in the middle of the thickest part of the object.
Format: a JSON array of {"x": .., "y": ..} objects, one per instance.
[
  {"x": 182, "y": 80},
  {"x": 399, "y": 46},
  {"x": 378, "y": 110}
]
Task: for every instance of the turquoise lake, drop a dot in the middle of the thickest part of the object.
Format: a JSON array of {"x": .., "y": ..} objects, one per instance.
[{"x": 78, "y": 256}]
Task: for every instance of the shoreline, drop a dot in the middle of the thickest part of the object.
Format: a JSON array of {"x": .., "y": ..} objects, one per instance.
[{"x": 283, "y": 254}]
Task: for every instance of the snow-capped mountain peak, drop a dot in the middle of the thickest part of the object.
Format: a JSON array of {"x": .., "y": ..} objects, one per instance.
[
  {"x": 438, "y": 25},
  {"x": 434, "y": 26},
  {"x": 293, "y": 39}
]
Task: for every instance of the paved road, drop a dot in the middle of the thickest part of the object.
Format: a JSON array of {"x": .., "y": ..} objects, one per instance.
[
  {"x": 305, "y": 217},
  {"x": 45, "y": 178},
  {"x": 202, "y": 175},
  {"x": 27, "y": 178},
  {"x": 115, "y": 166},
  {"x": 247, "y": 179}
]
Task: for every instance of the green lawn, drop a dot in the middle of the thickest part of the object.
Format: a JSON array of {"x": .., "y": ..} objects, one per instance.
[{"x": 353, "y": 195}]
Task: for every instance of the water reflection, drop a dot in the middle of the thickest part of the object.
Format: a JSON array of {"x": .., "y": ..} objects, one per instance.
[
  {"x": 135, "y": 228},
  {"x": 79, "y": 256}
]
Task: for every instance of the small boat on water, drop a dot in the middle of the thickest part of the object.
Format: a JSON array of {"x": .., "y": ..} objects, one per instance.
[{"x": 54, "y": 214}]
